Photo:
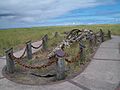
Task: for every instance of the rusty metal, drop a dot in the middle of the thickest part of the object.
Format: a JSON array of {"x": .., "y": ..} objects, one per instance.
[{"x": 31, "y": 66}]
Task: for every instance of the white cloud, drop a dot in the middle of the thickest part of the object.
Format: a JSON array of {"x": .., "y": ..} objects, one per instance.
[{"x": 40, "y": 10}]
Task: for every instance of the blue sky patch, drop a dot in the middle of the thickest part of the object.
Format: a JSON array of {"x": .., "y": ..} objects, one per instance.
[{"x": 30, "y": 13}]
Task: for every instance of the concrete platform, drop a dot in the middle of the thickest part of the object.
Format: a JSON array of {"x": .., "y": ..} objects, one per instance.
[
  {"x": 103, "y": 73},
  {"x": 8, "y": 85},
  {"x": 107, "y": 53},
  {"x": 100, "y": 75},
  {"x": 2, "y": 64},
  {"x": 110, "y": 44}
]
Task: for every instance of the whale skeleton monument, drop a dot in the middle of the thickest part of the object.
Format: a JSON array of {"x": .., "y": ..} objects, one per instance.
[
  {"x": 75, "y": 35},
  {"x": 57, "y": 56}
]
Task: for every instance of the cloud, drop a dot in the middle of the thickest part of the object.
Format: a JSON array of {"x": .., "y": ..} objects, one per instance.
[{"x": 41, "y": 10}]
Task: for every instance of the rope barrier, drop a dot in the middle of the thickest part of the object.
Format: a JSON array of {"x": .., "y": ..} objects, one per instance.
[
  {"x": 36, "y": 47},
  {"x": 21, "y": 55}
]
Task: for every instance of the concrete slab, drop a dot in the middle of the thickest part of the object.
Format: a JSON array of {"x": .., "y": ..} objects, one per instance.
[
  {"x": 100, "y": 75},
  {"x": 106, "y": 53},
  {"x": 36, "y": 44},
  {"x": 94, "y": 84},
  {"x": 112, "y": 42},
  {"x": 115, "y": 39},
  {"x": 2, "y": 64},
  {"x": 110, "y": 45},
  {"x": 8, "y": 85}
]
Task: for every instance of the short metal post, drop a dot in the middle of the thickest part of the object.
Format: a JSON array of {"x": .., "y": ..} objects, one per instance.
[
  {"x": 109, "y": 34},
  {"x": 60, "y": 65},
  {"x": 29, "y": 50},
  {"x": 10, "y": 66}
]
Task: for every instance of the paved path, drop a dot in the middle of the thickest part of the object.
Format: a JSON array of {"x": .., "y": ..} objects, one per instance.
[{"x": 103, "y": 73}]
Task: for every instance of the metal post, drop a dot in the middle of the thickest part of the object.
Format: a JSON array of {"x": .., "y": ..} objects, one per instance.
[
  {"x": 60, "y": 69},
  {"x": 29, "y": 50},
  {"x": 10, "y": 66}
]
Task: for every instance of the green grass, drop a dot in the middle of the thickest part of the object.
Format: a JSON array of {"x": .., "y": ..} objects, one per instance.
[
  {"x": 72, "y": 50},
  {"x": 17, "y": 37},
  {"x": 54, "y": 41}
]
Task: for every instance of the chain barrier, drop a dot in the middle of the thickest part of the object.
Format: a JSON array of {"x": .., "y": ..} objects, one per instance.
[
  {"x": 49, "y": 63},
  {"x": 30, "y": 66},
  {"x": 97, "y": 36}
]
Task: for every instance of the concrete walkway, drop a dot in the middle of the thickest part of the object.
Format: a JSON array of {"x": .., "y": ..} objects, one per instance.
[{"x": 103, "y": 73}]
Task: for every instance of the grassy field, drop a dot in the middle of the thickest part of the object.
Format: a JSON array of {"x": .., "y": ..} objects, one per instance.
[{"x": 17, "y": 37}]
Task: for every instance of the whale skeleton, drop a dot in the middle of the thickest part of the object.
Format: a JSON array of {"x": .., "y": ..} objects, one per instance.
[{"x": 74, "y": 35}]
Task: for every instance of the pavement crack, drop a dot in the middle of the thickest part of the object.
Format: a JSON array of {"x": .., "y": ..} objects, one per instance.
[
  {"x": 78, "y": 85},
  {"x": 106, "y": 59},
  {"x": 110, "y": 47}
]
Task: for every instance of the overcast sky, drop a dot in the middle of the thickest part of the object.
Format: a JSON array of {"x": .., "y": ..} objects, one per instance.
[{"x": 28, "y": 13}]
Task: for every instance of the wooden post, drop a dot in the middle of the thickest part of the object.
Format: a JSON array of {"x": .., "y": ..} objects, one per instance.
[
  {"x": 82, "y": 56},
  {"x": 46, "y": 37},
  {"x": 56, "y": 34},
  {"x": 29, "y": 50},
  {"x": 109, "y": 34},
  {"x": 90, "y": 38},
  {"x": 119, "y": 48},
  {"x": 95, "y": 39},
  {"x": 44, "y": 43},
  {"x": 60, "y": 69},
  {"x": 10, "y": 66},
  {"x": 102, "y": 35}
]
